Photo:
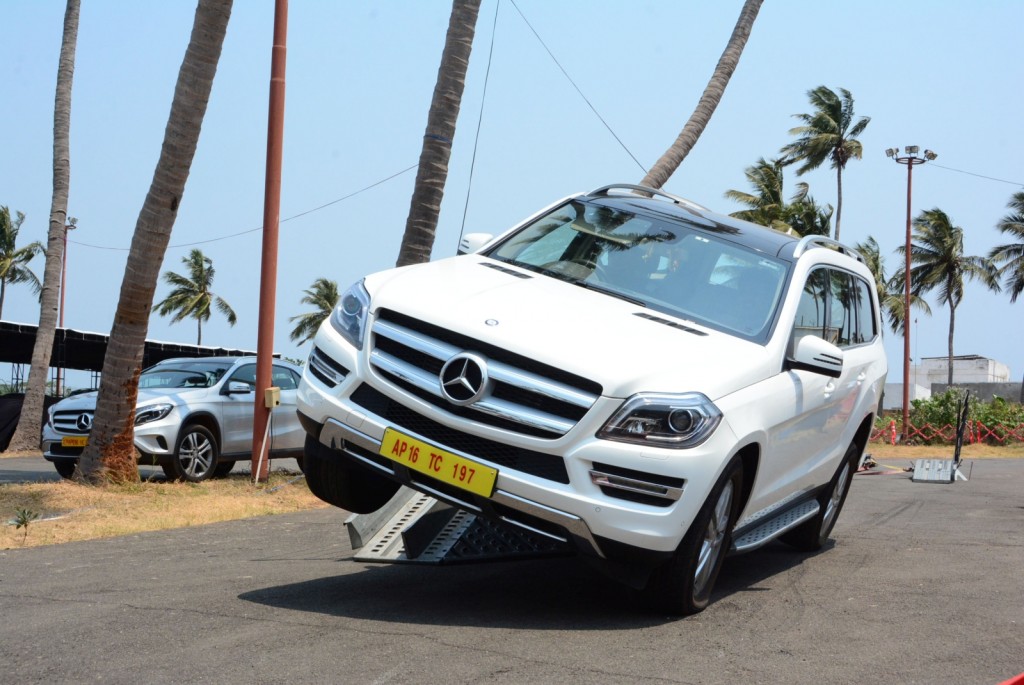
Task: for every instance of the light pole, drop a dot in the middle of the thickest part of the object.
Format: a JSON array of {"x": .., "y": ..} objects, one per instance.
[
  {"x": 70, "y": 225},
  {"x": 910, "y": 159}
]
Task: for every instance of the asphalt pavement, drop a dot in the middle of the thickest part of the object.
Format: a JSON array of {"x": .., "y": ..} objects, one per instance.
[{"x": 922, "y": 584}]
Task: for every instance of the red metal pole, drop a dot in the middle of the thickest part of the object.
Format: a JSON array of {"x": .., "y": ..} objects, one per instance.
[
  {"x": 271, "y": 220},
  {"x": 906, "y": 315}
]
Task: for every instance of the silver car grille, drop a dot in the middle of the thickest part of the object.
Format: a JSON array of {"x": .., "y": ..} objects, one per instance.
[
  {"x": 72, "y": 421},
  {"x": 521, "y": 395}
]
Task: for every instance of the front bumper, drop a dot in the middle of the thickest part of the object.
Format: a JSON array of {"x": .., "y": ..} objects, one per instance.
[{"x": 576, "y": 505}]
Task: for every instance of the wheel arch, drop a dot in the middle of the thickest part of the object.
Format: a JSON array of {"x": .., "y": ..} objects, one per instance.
[
  {"x": 204, "y": 419},
  {"x": 750, "y": 457}
]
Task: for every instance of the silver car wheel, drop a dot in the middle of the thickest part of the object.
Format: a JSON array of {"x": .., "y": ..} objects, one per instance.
[
  {"x": 832, "y": 506},
  {"x": 712, "y": 546},
  {"x": 196, "y": 454}
]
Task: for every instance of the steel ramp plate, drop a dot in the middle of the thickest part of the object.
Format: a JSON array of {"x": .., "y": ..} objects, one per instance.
[
  {"x": 933, "y": 471},
  {"x": 464, "y": 538}
]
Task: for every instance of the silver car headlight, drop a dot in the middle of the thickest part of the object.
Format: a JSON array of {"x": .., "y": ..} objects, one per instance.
[
  {"x": 152, "y": 412},
  {"x": 674, "y": 421},
  {"x": 349, "y": 316}
]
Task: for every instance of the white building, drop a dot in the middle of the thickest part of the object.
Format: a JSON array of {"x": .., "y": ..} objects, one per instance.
[{"x": 969, "y": 368}]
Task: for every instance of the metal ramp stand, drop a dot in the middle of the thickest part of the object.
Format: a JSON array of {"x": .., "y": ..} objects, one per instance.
[
  {"x": 414, "y": 528},
  {"x": 945, "y": 470}
]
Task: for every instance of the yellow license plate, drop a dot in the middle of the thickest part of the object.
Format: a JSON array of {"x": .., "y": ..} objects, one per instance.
[
  {"x": 74, "y": 441},
  {"x": 438, "y": 463}
]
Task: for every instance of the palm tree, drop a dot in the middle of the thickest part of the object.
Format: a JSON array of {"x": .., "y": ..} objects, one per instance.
[
  {"x": 13, "y": 259},
  {"x": 110, "y": 454},
  {"x": 26, "y": 435},
  {"x": 801, "y": 215},
  {"x": 891, "y": 291},
  {"x": 829, "y": 133},
  {"x": 727, "y": 63},
  {"x": 323, "y": 295},
  {"x": 807, "y": 217},
  {"x": 191, "y": 297},
  {"x": 1011, "y": 255},
  {"x": 767, "y": 206},
  {"x": 425, "y": 206},
  {"x": 937, "y": 250}
]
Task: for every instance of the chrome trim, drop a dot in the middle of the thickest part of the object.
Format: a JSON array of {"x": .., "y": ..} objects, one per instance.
[
  {"x": 611, "y": 480},
  {"x": 334, "y": 434},
  {"x": 316, "y": 361}
]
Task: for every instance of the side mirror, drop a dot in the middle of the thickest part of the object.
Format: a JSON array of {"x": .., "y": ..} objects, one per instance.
[
  {"x": 239, "y": 388},
  {"x": 471, "y": 242},
  {"x": 817, "y": 356}
]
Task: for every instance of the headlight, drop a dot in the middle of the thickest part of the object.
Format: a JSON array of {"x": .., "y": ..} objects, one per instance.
[
  {"x": 349, "y": 316},
  {"x": 674, "y": 421},
  {"x": 152, "y": 412}
]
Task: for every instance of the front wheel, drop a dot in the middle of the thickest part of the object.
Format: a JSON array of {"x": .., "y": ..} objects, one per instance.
[
  {"x": 195, "y": 456},
  {"x": 683, "y": 585},
  {"x": 335, "y": 480},
  {"x": 812, "y": 535},
  {"x": 65, "y": 467}
]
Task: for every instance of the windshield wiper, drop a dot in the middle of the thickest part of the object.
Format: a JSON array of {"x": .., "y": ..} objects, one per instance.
[{"x": 608, "y": 291}]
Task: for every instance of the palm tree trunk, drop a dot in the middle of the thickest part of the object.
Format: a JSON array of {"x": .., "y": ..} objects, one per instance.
[
  {"x": 839, "y": 199},
  {"x": 110, "y": 453},
  {"x": 199, "y": 338},
  {"x": 698, "y": 121},
  {"x": 428, "y": 192},
  {"x": 26, "y": 436}
]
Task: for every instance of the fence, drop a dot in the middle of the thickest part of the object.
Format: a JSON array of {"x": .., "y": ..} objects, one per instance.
[{"x": 976, "y": 432}]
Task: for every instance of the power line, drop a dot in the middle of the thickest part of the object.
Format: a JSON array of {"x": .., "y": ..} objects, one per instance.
[
  {"x": 566, "y": 74},
  {"x": 971, "y": 173},
  {"x": 260, "y": 228}
]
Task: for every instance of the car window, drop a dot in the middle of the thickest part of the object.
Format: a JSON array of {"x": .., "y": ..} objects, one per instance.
[
  {"x": 866, "y": 331},
  {"x": 182, "y": 374},
  {"x": 245, "y": 374},
  {"x": 835, "y": 306},
  {"x": 284, "y": 378}
]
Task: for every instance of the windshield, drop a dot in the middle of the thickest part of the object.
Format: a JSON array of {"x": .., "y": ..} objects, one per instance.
[
  {"x": 665, "y": 264},
  {"x": 183, "y": 374}
]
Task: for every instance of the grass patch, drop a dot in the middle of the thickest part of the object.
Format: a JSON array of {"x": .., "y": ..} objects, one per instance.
[
  {"x": 69, "y": 511},
  {"x": 978, "y": 451}
]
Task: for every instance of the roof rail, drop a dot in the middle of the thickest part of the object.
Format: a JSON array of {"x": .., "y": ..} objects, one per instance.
[
  {"x": 811, "y": 241},
  {"x": 606, "y": 191}
]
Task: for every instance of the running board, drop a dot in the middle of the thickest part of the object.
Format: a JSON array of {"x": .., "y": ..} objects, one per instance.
[
  {"x": 414, "y": 528},
  {"x": 776, "y": 526}
]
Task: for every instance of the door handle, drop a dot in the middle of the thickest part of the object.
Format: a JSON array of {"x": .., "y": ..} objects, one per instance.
[
  {"x": 860, "y": 377},
  {"x": 830, "y": 388}
]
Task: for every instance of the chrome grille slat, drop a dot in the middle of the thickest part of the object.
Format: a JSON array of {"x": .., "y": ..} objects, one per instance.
[{"x": 514, "y": 397}]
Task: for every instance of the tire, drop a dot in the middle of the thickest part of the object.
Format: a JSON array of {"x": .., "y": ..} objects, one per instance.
[
  {"x": 683, "y": 585},
  {"x": 65, "y": 467},
  {"x": 812, "y": 535},
  {"x": 335, "y": 480},
  {"x": 195, "y": 455},
  {"x": 223, "y": 468}
]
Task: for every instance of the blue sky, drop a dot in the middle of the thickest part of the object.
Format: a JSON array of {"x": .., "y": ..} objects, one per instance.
[{"x": 941, "y": 74}]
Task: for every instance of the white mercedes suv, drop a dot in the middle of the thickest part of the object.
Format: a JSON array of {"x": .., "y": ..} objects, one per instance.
[{"x": 625, "y": 371}]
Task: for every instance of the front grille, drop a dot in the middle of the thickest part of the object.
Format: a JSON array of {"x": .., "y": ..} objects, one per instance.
[
  {"x": 547, "y": 466},
  {"x": 522, "y": 395},
  {"x": 67, "y": 421}
]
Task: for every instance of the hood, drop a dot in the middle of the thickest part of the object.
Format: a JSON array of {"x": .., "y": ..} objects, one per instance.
[
  {"x": 86, "y": 401},
  {"x": 567, "y": 326}
]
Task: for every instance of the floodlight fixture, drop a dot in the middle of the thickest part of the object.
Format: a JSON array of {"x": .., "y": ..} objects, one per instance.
[{"x": 911, "y": 149}]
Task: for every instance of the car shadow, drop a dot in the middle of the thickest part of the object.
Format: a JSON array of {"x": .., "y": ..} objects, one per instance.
[{"x": 540, "y": 594}]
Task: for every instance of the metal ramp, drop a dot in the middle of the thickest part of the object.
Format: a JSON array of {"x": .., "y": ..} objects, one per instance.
[
  {"x": 414, "y": 528},
  {"x": 945, "y": 470}
]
